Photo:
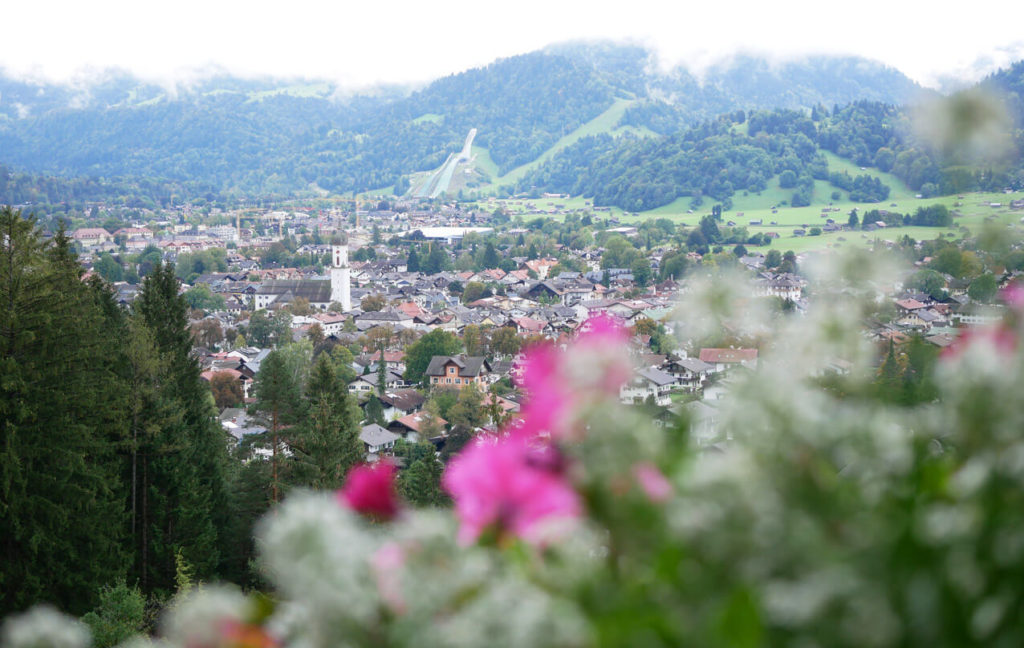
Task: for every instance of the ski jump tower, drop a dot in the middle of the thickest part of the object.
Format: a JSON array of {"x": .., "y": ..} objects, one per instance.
[{"x": 341, "y": 283}]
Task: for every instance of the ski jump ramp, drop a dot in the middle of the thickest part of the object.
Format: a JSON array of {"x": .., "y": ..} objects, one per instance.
[{"x": 438, "y": 182}]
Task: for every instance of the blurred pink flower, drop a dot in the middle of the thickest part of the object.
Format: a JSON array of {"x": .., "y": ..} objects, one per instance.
[
  {"x": 603, "y": 329},
  {"x": 499, "y": 483},
  {"x": 604, "y": 338},
  {"x": 386, "y": 563},
  {"x": 370, "y": 490},
  {"x": 556, "y": 384},
  {"x": 1002, "y": 338},
  {"x": 652, "y": 482},
  {"x": 549, "y": 400},
  {"x": 1013, "y": 295}
]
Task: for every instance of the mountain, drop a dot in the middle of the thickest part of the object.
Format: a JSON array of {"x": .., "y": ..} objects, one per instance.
[
  {"x": 1009, "y": 85},
  {"x": 279, "y": 138}
]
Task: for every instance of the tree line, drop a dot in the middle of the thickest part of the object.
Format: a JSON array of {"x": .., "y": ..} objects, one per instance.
[{"x": 113, "y": 464}]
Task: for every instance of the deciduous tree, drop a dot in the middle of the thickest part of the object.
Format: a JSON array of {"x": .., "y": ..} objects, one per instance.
[{"x": 435, "y": 343}]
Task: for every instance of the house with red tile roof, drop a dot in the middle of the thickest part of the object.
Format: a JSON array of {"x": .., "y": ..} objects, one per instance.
[{"x": 723, "y": 359}]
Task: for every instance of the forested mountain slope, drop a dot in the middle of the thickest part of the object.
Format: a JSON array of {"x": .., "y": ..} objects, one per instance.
[
  {"x": 975, "y": 148},
  {"x": 266, "y": 137}
]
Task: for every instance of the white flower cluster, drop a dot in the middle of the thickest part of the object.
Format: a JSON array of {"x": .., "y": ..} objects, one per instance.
[{"x": 43, "y": 627}]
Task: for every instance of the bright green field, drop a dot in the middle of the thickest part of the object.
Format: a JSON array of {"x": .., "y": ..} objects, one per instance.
[
  {"x": 433, "y": 118},
  {"x": 300, "y": 90},
  {"x": 762, "y": 202},
  {"x": 484, "y": 163},
  {"x": 898, "y": 188},
  {"x": 973, "y": 210},
  {"x": 606, "y": 122}
]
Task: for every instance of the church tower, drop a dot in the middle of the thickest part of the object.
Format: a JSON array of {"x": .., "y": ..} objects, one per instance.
[{"x": 341, "y": 285}]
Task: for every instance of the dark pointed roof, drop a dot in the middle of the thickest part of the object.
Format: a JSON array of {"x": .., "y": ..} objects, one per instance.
[{"x": 313, "y": 290}]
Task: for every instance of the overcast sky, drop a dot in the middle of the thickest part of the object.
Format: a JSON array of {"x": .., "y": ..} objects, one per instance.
[{"x": 364, "y": 42}]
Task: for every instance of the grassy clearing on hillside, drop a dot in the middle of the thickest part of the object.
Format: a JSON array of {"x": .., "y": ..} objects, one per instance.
[
  {"x": 758, "y": 205},
  {"x": 300, "y": 90},
  {"x": 484, "y": 163},
  {"x": 898, "y": 189},
  {"x": 433, "y": 118},
  {"x": 606, "y": 122}
]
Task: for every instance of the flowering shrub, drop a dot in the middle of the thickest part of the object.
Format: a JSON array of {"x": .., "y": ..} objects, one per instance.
[{"x": 808, "y": 515}]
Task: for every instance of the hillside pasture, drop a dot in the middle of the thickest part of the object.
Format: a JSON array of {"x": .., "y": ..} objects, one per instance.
[{"x": 606, "y": 122}]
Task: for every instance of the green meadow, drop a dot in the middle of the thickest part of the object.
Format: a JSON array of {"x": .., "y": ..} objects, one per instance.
[
  {"x": 606, "y": 122},
  {"x": 971, "y": 211}
]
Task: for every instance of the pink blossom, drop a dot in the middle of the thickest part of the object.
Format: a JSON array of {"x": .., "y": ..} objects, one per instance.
[
  {"x": 558, "y": 384},
  {"x": 1013, "y": 295},
  {"x": 500, "y": 483},
  {"x": 549, "y": 400},
  {"x": 387, "y": 563},
  {"x": 652, "y": 482},
  {"x": 370, "y": 490},
  {"x": 603, "y": 329},
  {"x": 601, "y": 349},
  {"x": 1002, "y": 338}
]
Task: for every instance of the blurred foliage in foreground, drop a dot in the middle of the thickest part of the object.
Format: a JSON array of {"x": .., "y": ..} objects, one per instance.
[{"x": 818, "y": 520}]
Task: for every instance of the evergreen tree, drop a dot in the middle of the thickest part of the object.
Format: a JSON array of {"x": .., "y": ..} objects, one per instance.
[
  {"x": 490, "y": 259},
  {"x": 382, "y": 372},
  {"x": 436, "y": 261},
  {"x": 420, "y": 483},
  {"x": 61, "y": 506},
  {"x": 327, "y": 443},
  {"x": 148, "y": 415},
  {"x": 185, "y": 460},
  {"x": 375, "y": 411},
  {"x": 250, "y": 488},
  {"x": 413, "y": 264},
  {"x": 277, "y": 391},
  {"x": 888, "y": 387}
]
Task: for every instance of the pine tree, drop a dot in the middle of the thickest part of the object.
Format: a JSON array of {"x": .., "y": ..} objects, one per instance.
[
  {"x": 250, "y": 489},
  {"x": 420, "y": 483},
  {"x": 185, "y": 460},
  {"x": 490, "y": 259},
  {"x": 413, "y": 264},
  {"x": 61, "y": 508},
  {"x": 328, "y": 440},
  {"x": 149, "y": 416},
  {"x": 375, "y": 411},
  {"x": 382, "y": 372},
  {"x": 888, "y": 386},
  {"x": 278, "y": 394}
]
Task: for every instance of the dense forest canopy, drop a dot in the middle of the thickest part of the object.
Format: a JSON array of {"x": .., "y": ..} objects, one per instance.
[{"x": 724, "y": 156}]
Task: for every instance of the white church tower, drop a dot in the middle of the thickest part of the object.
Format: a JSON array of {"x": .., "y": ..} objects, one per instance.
[{"x": 341, "y": 284}]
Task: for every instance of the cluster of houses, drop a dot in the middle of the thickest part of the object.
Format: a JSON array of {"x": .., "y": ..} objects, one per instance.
[{"x": 531, "y": 298}]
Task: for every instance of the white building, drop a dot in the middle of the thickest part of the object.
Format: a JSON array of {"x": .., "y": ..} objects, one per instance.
[{"x": 318, "y": 292}]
